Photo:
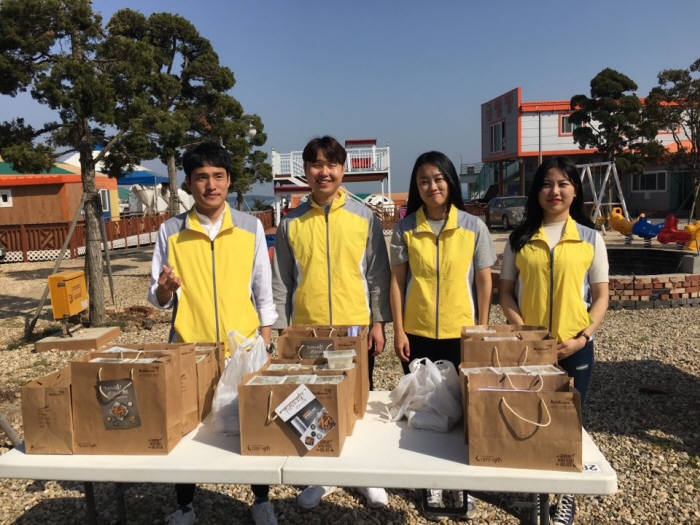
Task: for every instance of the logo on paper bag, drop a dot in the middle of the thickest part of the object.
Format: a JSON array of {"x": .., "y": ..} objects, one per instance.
[{"x": 314, "y": 348}]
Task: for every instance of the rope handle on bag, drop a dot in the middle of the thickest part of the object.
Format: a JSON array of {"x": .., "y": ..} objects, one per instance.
[
  {"x": 498, "y": 361},
  {"x": 132, "y": 360},
  {"x": 120, "y": 391},
  {"x": 544, "y": 405},
  {"x": 313, "y": 331},
  {"x": 510, "y": 381},
  {"x": 269, "y": 419}
]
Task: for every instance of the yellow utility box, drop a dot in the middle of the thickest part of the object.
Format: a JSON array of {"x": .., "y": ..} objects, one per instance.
[{"x": 68, "y": 293}]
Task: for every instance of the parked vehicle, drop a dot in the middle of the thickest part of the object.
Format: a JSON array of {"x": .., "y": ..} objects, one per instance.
[{"x": 506, "y": 211}]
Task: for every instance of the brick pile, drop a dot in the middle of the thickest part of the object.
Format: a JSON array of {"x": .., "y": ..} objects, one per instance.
[{"x": 654, "y": 291}]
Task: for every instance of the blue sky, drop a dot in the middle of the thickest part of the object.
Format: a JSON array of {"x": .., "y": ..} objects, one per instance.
[{"x": 413, "y": 73}]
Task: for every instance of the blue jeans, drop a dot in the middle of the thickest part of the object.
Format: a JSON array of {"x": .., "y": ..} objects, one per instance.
[{"x": 580, "y": 366}]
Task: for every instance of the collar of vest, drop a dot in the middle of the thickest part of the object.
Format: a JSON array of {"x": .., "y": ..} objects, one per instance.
[
  {"x": 422, "y": 224},
  {"x": 192, "y": 221},
  {"x": 570, "y": 232},
  {"x": 337, "y": 202}
]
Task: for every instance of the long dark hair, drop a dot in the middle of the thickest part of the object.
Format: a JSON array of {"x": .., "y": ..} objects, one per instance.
[
  {"x": 442, "y": 163},
  {"x": 533, "y": 211}
]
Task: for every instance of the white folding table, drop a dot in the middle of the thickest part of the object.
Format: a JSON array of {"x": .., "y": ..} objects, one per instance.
[{"x": 379, "y": 453}]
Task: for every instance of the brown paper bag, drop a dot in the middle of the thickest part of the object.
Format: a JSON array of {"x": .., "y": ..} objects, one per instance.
[
  {"x": 47, "y": 415},
  {"x": 513, "y": 381},
  {"x": 188, "y": 379},
  {"x": 288, "y": 348},
  {"x": 219, "y": 354},
  {"x": 537, "y": 430},
  {"x": 307, "y": 367},
  {"x": 207, "y": 379},
  {"x": 478, "y": 351},
  {"x": 264, "y": 435},
  {"x": 126, "y": 407},
  {"x": 525, "y": 330}
]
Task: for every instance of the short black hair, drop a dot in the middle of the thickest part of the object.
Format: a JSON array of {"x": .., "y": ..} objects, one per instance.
[
  {"x": 330, "y": 147},
  {"x": 206, "y": 154}
]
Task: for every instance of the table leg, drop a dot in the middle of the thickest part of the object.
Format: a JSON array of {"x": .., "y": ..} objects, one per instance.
[
  {"x": 90, "y": 503},
  {"x": 121, "y": 506},
  {"x": 544, "y": 509}
]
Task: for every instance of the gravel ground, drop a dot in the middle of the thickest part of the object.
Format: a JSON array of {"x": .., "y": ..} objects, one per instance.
[{"x": 642, "y": 411}]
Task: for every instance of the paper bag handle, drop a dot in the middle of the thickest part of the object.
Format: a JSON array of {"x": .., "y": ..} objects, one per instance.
[
  {"x": 269, "y": 419},
  {"x": 544, "y": 405},
  {"x": 120, "y": 391},
  {"x": 498, "y": 361}
]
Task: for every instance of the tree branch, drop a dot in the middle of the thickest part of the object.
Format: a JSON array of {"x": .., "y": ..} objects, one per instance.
[{"x": 109, "y": 145}]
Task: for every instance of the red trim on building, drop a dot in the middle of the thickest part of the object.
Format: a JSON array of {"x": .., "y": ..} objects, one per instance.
[
  {"x": 355, "y": 142},
  {"x": 40, "y": 180},
  {"x": 547, "y": 105}
]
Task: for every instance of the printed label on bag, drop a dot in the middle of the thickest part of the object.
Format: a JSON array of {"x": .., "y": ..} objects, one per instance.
[
  {"x": 118, "y": 401},
  {"x": 313, "y": 348},
  {"x": 306, "y": 416}
]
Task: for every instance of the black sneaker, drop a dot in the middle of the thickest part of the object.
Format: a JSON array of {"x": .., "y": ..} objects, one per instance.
[{"x": 564, "y": 511}]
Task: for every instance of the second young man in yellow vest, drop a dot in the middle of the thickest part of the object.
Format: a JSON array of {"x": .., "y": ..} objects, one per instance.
[{"x": 331, "y": 267}]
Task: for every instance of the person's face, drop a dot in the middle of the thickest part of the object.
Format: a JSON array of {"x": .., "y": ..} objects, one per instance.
[
  {"x": 432, "y": 187},
  {"x": 209, "y": 187},
  {"x": 556, "y": 195},
  {"x": 324, "y": 177}
]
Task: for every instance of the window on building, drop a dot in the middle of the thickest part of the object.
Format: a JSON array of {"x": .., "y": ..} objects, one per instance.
[
  {"x": 498, "y": 137},
  {"x": 653, "y": 181},
  {"x": 104, "y": 196},
  {"x": 6, "y": 198},
  {"x": 567, "y": 127}
]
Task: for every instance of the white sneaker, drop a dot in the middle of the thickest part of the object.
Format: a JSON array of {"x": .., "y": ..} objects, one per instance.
[
  {"x": 376, "y": 497},
  {"x": 434, "y": 498},
  {"x": 311, "y": 496},
  {"x": 184, "y": 515},
  {"x": 264, "y": 513}
]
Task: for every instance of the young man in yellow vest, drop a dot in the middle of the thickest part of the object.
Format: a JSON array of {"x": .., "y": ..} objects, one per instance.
[
  {"x": 331, "y": 267},
  {"x": 212, "y": 267}
]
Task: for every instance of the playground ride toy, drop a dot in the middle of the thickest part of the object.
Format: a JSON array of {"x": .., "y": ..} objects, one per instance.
[
  {"x": 670, "y": 232},
  {"x": 693, "y": 244},
  {"x": 618, "y": 223},
  {"x": 647, "y": 231}
]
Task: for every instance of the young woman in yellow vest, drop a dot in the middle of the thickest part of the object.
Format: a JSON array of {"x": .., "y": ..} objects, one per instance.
[
  {"x": 555, "y": 274},
  {"x": 441, "y": 258}
]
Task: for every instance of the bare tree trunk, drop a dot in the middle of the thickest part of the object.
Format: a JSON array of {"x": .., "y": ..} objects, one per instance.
[
  {"x": 239, "y": 200},
  {"x": 174, "y": 203},
  {"x": 93, "y": 247}
]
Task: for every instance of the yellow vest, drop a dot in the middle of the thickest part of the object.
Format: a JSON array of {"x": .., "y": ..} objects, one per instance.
[
  {"x": 215, "y": 296},
  {"x": 329, "y": 250},
  {"x": 552, "y": 286},
  {"x": 439, "y": 300}
]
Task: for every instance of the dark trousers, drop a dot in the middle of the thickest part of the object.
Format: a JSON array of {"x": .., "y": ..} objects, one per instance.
[
  {"x": 370, "y": 366},
  {"x": 433, "y": 349},
  {"x": 579, "y": 365},
  {"x": 185, "y": 492}
]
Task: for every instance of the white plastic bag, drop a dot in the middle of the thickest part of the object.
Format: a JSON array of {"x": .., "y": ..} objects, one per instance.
[
  {"x": 429, "y": 396},
  {"x": 247, "y": 355}
]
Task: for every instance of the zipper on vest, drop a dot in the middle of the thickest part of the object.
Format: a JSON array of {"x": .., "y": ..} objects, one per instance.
[
  {"x": 216, "y": 302},
  {"x": 437, "y": 293},
  {"x": 551, "y": 286},
  {"x": 326, "y": 211}
]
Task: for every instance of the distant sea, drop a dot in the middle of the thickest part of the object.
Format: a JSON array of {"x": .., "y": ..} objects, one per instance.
[{"x": 249, "y": 200}]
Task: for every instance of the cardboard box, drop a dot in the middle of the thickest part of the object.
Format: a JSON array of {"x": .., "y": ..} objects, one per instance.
[
  {"x": 47, "y": 415},
  {"x": 262, "y": 434},
  {"x": 125, "y": 407},
  {"x": 207, "y": 379},
  {"x": 294, "y": 336}
]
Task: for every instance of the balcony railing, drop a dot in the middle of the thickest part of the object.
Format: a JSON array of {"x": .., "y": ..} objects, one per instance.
[{"x": 360, "y": 161}]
